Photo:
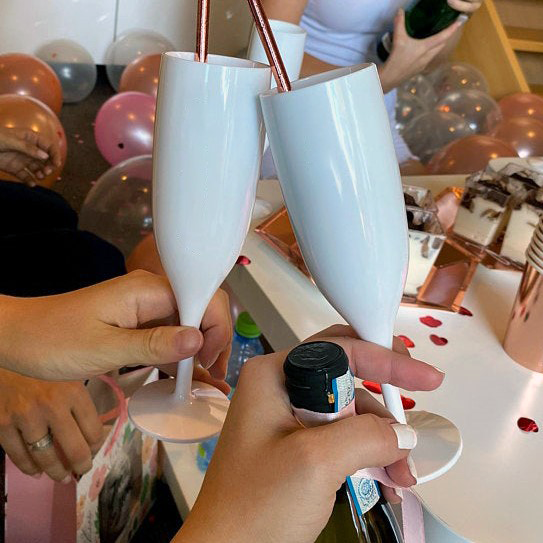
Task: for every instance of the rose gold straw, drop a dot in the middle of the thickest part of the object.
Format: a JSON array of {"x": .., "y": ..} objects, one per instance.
[
  {"x": 270, "y": 46},
  {"x": 202, "y": 30}
]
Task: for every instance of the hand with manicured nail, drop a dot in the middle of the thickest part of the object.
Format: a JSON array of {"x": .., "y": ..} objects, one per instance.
[
  {"x": 94, "y": 330},
  {"x": 27, "y": 155},
  {"x": 272, "y": 480},
  {"x": 216, "y": 324},
  {"x": 31, "y": 409}
]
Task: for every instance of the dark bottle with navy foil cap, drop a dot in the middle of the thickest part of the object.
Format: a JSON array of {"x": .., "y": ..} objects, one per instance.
[
  {"x": 422, "y": 20},
  {"x": 311, "y": 371},
  {"x": 320, "y": 386}
]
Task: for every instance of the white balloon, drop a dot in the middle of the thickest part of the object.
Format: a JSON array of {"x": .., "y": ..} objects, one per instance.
[
  {"x": 74, "y": 67},
  {"x": 130, "y": 46},
  {"x": 408, "y": 106}
]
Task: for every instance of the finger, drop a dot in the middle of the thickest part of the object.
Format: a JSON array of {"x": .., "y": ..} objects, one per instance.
[
  {"x": 133, "y": 299},
  {"x": 217, "y": 329},
  {"x": 390, "y": 495},
  {"x": 46, "y": 459},
  {"x": 400, "y": 473},
  {"x": 200, "y": 374},
  {"x": 15, "y": 447},
  {"x": 399, "y": 25},
  {"x": 70, "y": 440},
  {"x": 344, "y": 330},
  {"x": 220, "y": 367},
  {"x": 440, "y": 39},
  {"x": 26, "y": 176},
  {"x": 86, "y": 417},
  {"x": 366, "y": 403},
  {"x": 366, "y": 441},
  {"x": 22, "y": 143},
  {"x": 152, "y": 346},
  {"x": 464, "y": 6},
  {"x": 375, "y": 363}
]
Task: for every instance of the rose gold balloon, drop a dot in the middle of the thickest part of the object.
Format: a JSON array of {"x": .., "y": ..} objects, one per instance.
[
  {"x": 469, "y": 154},
  {"x": 141, "y": 75},
  {"x": 525, "y": 134},
  {"x": 31, "y": 114},
  {"x": 29, "y": 76},
  {"x": 522, "y": 104}
]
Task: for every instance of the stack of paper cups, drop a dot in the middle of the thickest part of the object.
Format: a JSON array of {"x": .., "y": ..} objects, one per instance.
[{"x": 524, "y": 338}]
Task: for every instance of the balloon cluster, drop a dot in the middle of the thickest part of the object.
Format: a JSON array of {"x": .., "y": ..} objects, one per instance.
[{"x": 453, "y": 125}]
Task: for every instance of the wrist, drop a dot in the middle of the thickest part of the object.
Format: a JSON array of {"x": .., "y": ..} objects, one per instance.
[{"x": 387, "y": 82}]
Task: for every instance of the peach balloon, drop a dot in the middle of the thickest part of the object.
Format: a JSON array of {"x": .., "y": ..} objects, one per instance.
[
  {"x": 29, "y": 76},
  {"x": 31, "y": 114},
  {"x": 469, "y": 154},
  {"x": 525, "y": 134},
  {"x": 522, "y": 104},
  {"x": 141, "y": 75}
]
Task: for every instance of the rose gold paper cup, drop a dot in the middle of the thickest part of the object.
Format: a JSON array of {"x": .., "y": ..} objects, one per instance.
[{"x": 523, "y": 340}]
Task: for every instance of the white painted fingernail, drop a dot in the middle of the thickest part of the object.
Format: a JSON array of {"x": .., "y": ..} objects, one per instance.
[
  {"x": 37, "y": 475},
  {"x": 412, "y": 467},
  {"x": 406, "y": 436},
  {"x": 398, "y": 492},
  {"x": 67, "y": 480}
]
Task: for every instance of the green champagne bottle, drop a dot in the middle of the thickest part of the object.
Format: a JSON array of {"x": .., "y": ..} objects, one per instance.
[
  {"x": 425, "y": 18},
  {"x": 321, "y": 390}
]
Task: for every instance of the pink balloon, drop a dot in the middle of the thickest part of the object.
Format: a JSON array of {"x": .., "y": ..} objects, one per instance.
[
  {"x": 522, "y": 104},
  {"x": 124, "y": 126},
  {"x": 525, "y": 134},
  {"x": 469, "y": 154}
]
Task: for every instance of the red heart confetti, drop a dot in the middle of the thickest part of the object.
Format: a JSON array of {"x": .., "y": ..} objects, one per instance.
[
  {"x": 408, "y": 403},
  {"x": 465, "y": 311},
  {"x": 527, "y": 425},
  {"x": 407, "y": 342},
  {"x": 243, "y": 260},
  {"x": 430, "y": 321},
  {"x": 372, "y": 387},
  {"x": 439, "y": 340}
]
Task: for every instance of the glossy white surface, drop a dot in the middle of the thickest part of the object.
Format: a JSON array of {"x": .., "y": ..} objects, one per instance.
[
  {"x": 27, "y": 25},
  {"x": 207, "y": 151},
  {"x": 493, "y": 494},
  {"x": 290, "y": 39},
  {"x": 337, "y": 167}
]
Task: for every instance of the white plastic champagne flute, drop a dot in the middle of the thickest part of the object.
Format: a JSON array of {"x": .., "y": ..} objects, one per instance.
[
  {"x": 207, "y": 152},
  {"x": 331, "y": 143}
]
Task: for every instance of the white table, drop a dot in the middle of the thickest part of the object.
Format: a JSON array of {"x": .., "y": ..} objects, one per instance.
[{"x": 495, "y": 492}]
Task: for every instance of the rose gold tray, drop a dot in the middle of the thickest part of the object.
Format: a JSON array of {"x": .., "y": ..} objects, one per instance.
[{"x": 444, "y": 287}]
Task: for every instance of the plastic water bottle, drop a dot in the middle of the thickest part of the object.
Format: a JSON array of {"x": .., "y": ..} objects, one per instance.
[{"x": 246, "y": 344}]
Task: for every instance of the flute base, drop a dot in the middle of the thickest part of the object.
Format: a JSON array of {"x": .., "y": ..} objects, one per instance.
[
  {"x": 156, "y": 411},
  {"x": 439, "y": 444}
]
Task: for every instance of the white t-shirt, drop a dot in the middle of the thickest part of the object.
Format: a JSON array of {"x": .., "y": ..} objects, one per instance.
[{"x": 345, "y": 32}]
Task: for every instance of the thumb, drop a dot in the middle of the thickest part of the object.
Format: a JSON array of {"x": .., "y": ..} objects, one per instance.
[
  {"x": 156, "y": 346},
  {"x": 367, "y": 441},
  {"x": 399, "y": 24}
]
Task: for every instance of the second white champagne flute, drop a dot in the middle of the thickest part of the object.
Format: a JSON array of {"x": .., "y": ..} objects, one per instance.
[{"x": 332, "y": 146}]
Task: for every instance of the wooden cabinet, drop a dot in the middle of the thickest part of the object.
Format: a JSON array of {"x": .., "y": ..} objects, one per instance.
[{"x": 504, "y": 39}]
